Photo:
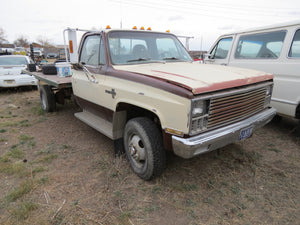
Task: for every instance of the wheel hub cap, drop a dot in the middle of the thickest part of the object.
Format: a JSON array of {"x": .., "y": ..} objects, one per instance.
[{"x": 136, "y": 149}]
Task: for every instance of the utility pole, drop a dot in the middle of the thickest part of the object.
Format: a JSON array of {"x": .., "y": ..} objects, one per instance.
[{"x": 187, "y": 41}]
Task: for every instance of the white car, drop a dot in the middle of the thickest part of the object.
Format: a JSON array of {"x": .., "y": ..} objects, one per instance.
[{"x": 11, "y": 75}]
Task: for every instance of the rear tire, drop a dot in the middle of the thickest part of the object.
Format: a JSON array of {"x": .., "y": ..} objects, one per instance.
[
  {"x": 47, "y": 98},
  {"x": 144, "y": 148}
]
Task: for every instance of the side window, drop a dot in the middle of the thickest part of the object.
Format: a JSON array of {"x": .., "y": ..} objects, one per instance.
[
  {"x": 295, "y": 48},
  {"x": 260, "y": 46},
  {"x": 90, "y": 50},
  {"x": 221, "y": 49},
  {"x": 102, "y": 53}
]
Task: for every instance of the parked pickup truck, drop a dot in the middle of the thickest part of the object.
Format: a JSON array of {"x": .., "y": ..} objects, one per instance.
[{"x": 141, "y": 89}]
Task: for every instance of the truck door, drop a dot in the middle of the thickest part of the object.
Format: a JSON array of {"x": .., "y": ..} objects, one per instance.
[
  {"x": 220, "y": 53},
  {"x": 88, "y": 82}
]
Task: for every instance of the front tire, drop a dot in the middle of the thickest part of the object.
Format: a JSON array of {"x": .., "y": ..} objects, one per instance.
[{"x": 144, "y": 148}]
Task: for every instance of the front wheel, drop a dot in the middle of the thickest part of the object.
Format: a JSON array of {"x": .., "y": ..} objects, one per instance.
[{"x": 144, "y": 148}]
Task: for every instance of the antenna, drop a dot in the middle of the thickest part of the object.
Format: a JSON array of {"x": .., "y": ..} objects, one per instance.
[{"x": 121, "y": 25}]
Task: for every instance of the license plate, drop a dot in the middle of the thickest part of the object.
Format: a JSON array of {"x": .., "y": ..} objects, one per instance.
[
  {"x": 9, "y": 82},
  {"x": 245, "y": 133}
]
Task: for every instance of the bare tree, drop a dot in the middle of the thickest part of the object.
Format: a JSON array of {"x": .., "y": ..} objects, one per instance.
[
  {"x": 45, "y": 42},
  {"x": 2, "y": 36},
  {"x": 21, "y": 41}
]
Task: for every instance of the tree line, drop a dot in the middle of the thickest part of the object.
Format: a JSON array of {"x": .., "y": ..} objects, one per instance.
[{"x": 22, "y": 41}]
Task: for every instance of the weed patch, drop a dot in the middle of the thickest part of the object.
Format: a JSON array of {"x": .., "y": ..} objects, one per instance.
[
  {"x": 47, "y": 158},
  {"x": 9, "y": 124},
  {"x": 38, "y": 110},
  {"x": 22, "y": 210},
  {"x": 18, "y": 192},
  {"x": 25, "y": 123},
  {"x": 15, "y": 153},
  {"x": 19, "y": 169},
  {"x": 43, "y": 180},
  {"x": 24, "y": 137}
]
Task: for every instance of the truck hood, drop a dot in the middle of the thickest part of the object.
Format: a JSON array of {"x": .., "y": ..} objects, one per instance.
[{"x": 196, "y": 77}]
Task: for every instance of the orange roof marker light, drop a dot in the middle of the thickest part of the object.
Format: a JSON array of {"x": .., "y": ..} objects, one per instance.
[
  {"x": 149, "y": 28},
  {"x": 108, "y": 27},
  {"x": 168, "y": 31},
  {"x": 142, "y": 28},
  {"x": 134, "y": 28}
]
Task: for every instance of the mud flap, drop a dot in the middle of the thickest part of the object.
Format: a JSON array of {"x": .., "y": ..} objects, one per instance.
[{"x": 118, "y": 147}]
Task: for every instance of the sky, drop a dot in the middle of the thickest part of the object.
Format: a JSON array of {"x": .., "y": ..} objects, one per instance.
[{"x": 202, "y": 19}]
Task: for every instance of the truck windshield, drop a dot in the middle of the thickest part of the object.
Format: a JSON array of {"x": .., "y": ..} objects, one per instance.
[{"x": 132, "y": 47}]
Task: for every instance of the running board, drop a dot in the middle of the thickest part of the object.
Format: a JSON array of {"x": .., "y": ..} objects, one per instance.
[{"x": 96, "y": 122}]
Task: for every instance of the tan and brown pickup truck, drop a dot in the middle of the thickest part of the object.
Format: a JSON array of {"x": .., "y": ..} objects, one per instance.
[{"x": 143, "y": 90}]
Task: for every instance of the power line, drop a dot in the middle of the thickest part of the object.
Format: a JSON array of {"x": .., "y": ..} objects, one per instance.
[
  {"x": 161, "y": 5},
  {"x": 239, "y": 6}
]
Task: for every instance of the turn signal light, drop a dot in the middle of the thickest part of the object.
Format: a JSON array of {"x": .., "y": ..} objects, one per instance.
[{"x": 173, "y": 131}]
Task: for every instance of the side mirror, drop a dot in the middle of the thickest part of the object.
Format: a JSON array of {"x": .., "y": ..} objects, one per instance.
[{"x": 207, "y": 56}]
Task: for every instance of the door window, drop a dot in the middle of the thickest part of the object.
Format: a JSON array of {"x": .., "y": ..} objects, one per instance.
[
  {"x": 260, "y": 46},
  {"x": 295, "y": 48},
  {"x": 90, "y": 50},
  {"x": 221, "y": 49}
]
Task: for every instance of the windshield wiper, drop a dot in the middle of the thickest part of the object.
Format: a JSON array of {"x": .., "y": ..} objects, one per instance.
[
  {"x": 171, "y": 58},
  {"x": 139, "y": 60}
]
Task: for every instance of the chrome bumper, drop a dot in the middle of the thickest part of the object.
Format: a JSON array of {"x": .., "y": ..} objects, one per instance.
[{"x": 211, "y": 140}]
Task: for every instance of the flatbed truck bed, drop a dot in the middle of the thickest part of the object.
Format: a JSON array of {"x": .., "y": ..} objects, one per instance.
[{"x": 51, "y": 80}]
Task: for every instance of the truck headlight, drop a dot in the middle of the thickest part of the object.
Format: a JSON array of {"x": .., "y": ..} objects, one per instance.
[
  {"x": 198, "y": 108},
  {"x": 268, "y": 96},
  {"x": 269, "y": 90},
  {"x": 199, "y": 116}
]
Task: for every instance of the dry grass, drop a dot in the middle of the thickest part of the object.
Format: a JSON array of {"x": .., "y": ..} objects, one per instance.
[{"x": 56, "y": 170}]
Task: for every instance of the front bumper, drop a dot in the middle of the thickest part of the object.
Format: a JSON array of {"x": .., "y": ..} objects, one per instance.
[{"x": 211, "y": 140}]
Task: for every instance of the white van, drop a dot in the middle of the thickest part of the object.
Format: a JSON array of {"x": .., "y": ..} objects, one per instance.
[{"x": 274, "y": 49}]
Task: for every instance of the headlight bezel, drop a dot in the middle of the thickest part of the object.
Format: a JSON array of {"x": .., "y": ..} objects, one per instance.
[{"x": 198, "y": 115}]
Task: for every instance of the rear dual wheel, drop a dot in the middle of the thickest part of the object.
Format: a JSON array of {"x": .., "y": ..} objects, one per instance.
[
  {"x": 144, "y": 148},
  {"x": 47, "y": 98}
]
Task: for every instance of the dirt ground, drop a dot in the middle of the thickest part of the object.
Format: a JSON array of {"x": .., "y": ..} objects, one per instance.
[{"x": 56, "y": 170}]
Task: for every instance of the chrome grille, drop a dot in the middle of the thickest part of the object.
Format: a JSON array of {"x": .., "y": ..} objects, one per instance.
[{"x": 227, "y": 109}]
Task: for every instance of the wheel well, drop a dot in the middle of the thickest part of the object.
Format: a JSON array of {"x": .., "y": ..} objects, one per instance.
[
  {"x": 125, "y": 112},
  {"x": 133, "y": 111}
]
